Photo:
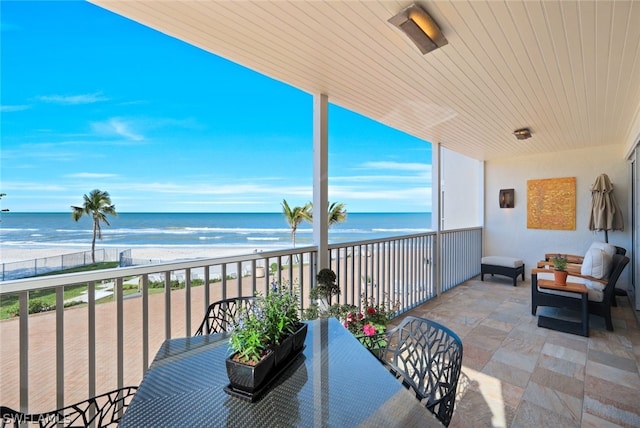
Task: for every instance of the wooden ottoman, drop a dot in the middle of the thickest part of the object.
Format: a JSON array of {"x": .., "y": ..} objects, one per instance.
[{"x": 507, "y": 266}]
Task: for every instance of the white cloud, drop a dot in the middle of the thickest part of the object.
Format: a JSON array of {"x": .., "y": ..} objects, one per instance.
[
  {"x": 91, "y": 175},
  {"x": 398, "y": 166},
  {"x": 31, "y": 152},
  {"x": 374, "y": 180},
  {"x": 117, "y": 126},
  {"x": 210, "y": 188},
  {"x": 259, "y": 197},
  {"x": 73, "y": 99},
  {"x": 11, "y": 108},
  {"x": 8, "y": 186},
  {"x": 346, "y": 193}
]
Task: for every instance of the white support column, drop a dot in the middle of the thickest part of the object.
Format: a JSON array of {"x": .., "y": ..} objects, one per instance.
[
  {"x": 482, "y": 179},
  {"x": 320, "y": 178},
  {"x": 437, "y": 199}
]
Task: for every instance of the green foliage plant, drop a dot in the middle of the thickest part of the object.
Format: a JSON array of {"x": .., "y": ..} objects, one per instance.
[
  {"x": 326, "y": 286},
  {"x": 365, "y": 323},
  {"x": 248, "y": 335},
  {"x": 560, "y": 262},
  {"x": 371, "y": 319},
  {"x": 282, "y": 313},
  {"x": 265, "y": 324}
]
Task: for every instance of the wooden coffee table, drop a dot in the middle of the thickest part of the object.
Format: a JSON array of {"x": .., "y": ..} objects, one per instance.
[{"x": 580, "y": 328}]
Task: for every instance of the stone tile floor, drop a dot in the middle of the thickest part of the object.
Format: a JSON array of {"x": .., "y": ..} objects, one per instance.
[{"x": 516, "y": 374}]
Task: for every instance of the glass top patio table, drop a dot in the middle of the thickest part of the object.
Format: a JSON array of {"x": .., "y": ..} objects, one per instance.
[{"x": 337, "y": 382}]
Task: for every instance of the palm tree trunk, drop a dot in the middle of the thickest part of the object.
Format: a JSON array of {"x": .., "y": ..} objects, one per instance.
[{"x": 93, "y": 242}]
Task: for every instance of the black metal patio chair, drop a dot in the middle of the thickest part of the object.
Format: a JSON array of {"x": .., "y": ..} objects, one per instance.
[
  {"x": 426, "y": 357},
  {"x": 103, "y": 410},
  {"x": 222, "y": 314}
]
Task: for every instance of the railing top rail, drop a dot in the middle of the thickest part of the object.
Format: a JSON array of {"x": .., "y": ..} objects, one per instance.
[
  {"x": 40, "y": 282},
  {"x": 377, "y": 240},
  {"x": 461, "y": 229}
]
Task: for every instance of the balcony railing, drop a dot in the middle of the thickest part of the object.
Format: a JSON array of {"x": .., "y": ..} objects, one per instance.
[{"x": 62, "y": 356}]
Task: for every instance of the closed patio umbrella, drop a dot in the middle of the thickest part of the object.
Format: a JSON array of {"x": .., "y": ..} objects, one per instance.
[{"x": 605, "y": 211}]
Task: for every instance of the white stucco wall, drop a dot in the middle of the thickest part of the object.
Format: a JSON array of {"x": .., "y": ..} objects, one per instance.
[
  {"x": 506, "y": 232},
  {"x": 462, "y": 186}
]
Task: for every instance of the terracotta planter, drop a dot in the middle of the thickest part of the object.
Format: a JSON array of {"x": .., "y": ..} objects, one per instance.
[
  {"x": 248, "y": 378},
  {"x": 560, "y": 277}
]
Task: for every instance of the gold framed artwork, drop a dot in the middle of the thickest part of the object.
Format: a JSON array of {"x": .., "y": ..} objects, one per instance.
[{"x": 551, "y": 203}]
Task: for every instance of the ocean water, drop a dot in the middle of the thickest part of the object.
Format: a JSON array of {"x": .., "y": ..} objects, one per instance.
[{"x": 262, "y": 230}]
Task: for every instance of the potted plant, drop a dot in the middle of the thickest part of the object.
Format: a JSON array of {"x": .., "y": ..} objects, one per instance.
[
  {"x": 560, "y": 269},
  {"x": 368, "y": 323},
  {"x": 370, "y": 320},
  {"x": 282, "y": 320},
  {"x": 325, "y": 288},
  {"x": 267, "y": 337},
  {"x": 252, "y": 360}
]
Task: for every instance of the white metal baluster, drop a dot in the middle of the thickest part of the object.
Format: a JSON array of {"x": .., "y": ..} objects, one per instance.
[
  {"x": 24, "y": 350},
  {"x": 60, "y": 347},
  {"x": 187, "y": 305},
  {"x": 120, "y": 329},
  {"x": 145, "y": 323}
]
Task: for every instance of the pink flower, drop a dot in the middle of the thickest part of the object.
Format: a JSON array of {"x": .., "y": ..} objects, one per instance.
[
  {"x": 349, "y": 317},
  {"x": 369, "y": 330},
  {"x": 345, "y": 325},
  {"x": 371, "y": 310},
  {"x": 360, "y": 316}
]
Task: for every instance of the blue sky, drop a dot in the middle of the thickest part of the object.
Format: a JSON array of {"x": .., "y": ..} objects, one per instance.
[{"x": 91, "y": 100}]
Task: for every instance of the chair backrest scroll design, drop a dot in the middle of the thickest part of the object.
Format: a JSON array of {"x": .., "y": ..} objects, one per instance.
[
  {"x": 222, "y": 314},
  {"x": 427, "y": 357},
  {"x": 103, "y": 410}
]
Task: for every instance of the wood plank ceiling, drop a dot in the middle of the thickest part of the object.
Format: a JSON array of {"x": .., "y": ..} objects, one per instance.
[{"x": 568, "y": 70}]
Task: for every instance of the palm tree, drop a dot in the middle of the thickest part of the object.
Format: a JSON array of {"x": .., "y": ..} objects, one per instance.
[
  {"x": 294, "y": 216},
  {"x": 337, "y": 213},
  {"x": 97, "y": 205},
  {"x": 4, "y": 210}
]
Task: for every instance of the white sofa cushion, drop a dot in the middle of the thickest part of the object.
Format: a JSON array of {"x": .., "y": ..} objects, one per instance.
[
  {"x": 597, "y": 263},
  {"x": 607, "y": 248},
  {"x": 595, "y": 289},
  {"x": 511, "y": 262}
]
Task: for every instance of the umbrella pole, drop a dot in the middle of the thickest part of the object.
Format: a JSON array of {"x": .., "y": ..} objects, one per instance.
[{"x": 606, "y": 236}]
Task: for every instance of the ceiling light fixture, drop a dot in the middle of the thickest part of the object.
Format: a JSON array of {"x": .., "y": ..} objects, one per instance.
[
  {"x": 420, "y": 28},
  {"x": 522, "y": 134}
]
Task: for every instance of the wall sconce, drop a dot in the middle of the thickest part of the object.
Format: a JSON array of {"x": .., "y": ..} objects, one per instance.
[
  {"x": 506, "y": 198},
  {"x": 416, "y": 23},
  {"x": 522, "y": 134}
]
